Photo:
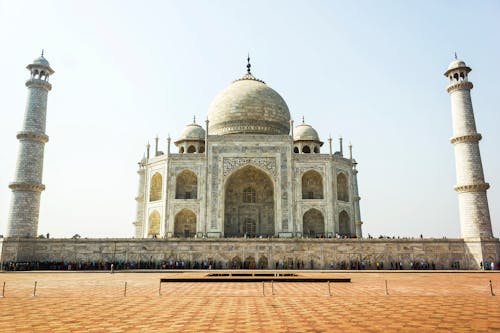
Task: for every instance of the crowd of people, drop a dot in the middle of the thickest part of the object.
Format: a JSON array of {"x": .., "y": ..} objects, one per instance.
[{"x": 236, "y": 263}]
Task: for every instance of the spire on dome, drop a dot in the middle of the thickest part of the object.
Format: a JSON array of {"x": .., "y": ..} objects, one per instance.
[
  {"x": 303, "y": 121},
  {"x": 248, "y": 75},
  {"x": 248, "y": 64},
  {"x": 456, "y": 55},
  {"x": 194, "y": 119}
]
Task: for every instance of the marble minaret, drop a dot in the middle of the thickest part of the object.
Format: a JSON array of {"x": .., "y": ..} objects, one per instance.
[
  {"x": 27, "y": 186},
  {"x": 475, "y": 222},
  {"x": 471, "y": 187}
]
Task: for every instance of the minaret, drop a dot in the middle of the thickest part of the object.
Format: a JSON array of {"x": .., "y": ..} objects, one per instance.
[
  {"x": 27, "y": 186},
  {"x": 471, "y": 188}
]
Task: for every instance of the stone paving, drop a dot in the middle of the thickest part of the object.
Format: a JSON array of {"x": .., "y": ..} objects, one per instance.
[{"x": 95, "y": 302}]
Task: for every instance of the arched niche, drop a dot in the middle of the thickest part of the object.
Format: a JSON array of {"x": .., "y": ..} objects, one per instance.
[
  {"x": 154, "y": 224},
  {"x": 155, "y": 187},
  {"x": 313, "y": 223},
  {"x": 186, "y": 185},
  {"x": 344, "y": 219},
  {"x": 312, "y": 185},
  {"x": 185, "y": 224},
  {"x": 342, "y": 188}
]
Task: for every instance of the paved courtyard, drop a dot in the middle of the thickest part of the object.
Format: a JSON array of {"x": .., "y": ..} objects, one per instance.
[{"x": 98, "y": 302}]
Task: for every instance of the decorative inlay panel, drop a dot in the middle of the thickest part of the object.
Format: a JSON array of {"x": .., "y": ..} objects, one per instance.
[{"x": 232, "y": 163}]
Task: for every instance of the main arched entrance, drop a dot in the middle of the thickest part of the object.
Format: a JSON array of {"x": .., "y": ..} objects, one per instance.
[{"x": 249, "y": 204}]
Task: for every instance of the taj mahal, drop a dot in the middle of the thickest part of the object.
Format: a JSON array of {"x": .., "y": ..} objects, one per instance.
[
  {"x": 249, "y": 173},
  {"x": 250, "y": 185}
]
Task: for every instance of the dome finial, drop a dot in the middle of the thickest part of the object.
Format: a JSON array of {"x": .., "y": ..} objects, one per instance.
[
  {"x": 42, "y": 52},
  {"x": 303, "y": 121},
  {"x": 194, "y": 119},
  {"x": 456, "y": 55},
  {"x": 248, "y": 64}
]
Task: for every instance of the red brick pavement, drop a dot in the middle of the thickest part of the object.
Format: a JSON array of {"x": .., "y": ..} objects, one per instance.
[{"x": 95, "y": 302}]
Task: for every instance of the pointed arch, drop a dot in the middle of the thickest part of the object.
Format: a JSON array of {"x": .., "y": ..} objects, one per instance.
[
  {"x": 344, "y": 219},
  {"x": 262, "y": 263},
  {"x": 313, "y": 223},
  {"x": 342, "y": 187},
  {"x": 154, "y": 224},
  {"x": 249, "y": 203},
  {"x": 155, "y": 187},
  {"x": 186, "y": 185},
  {"x": 236, "y": 262},
  {"x": 249, "y": 263},
  {"x": 312, "y": 185},
  {"x": 185, "y": 223}
]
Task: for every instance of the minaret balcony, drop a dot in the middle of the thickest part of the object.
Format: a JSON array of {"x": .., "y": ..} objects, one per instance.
[
  {"x": 460, "y": 85},
  {"x": 472, "y": 187},
  {"x": 21, "y": 186},
  {"x": 39, "y": 83},
  {"x": 476, "y": 137},
  {"x": 32, "y": 136}
]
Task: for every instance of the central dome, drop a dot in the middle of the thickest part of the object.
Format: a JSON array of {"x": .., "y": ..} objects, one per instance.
[{"x": 249, "y": 106}]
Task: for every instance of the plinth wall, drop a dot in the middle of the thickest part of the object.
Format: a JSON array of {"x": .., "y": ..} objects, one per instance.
[{"x": 443, "y": 252}]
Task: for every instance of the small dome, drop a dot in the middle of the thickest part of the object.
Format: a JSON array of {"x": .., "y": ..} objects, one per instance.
[
  {"x": 249, "y": 106},
  {"x": 192, "y": 132},
  {"x": 41, "y": 61},
  {"x": 305, "y": 132},
  {"x": 456, "y": 64}
]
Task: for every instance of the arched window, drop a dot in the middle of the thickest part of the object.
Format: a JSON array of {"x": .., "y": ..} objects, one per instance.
[
  {"x": 306, "y": 149},
  {"x": 342, "y": 190},
  {"x": 191, "y": 149},
  {"x": 186, "y": 186},
  {"x": 312, "y": 185},
  {"x": 344, "y": 229},
  {"x": 296, "y": 150},
  {"x": 249, "y": 225},
  {"x": 154, "y": 224},
  {"x": 155, "y": 187},
  {"x": 316, "y": 149},
  {"x": 249, "y": 195},
  {"x": 201, "y": 150},
  {"x": 181, "y": 150},
  {"x": 313, "y": 223},
  {"x": 185, "y": 224}
]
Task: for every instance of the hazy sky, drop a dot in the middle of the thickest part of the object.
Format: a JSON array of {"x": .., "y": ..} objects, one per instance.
[{"x": 371, "y": 71}]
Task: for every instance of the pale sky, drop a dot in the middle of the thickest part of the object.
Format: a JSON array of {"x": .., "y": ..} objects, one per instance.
[{"x": 369, "y": 71}]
